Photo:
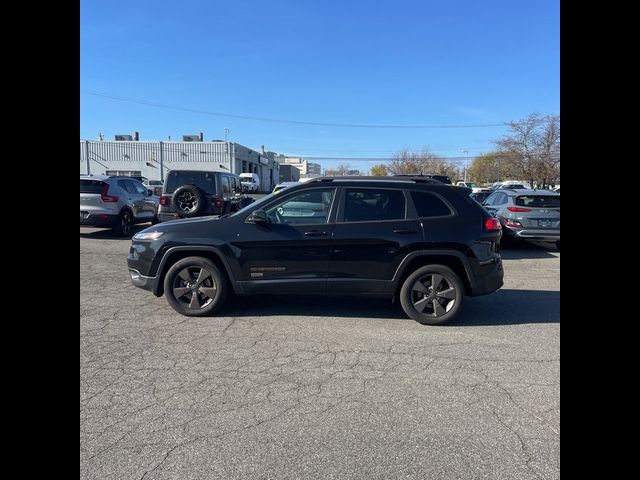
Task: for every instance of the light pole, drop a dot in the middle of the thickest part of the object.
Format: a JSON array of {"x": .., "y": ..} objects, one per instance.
[{"x": 466, "y": 164}]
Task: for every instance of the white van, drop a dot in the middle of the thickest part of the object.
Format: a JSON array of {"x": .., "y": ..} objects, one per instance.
[{"x": 250, "y": 182}]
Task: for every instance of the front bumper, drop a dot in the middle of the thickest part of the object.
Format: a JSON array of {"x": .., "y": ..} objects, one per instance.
[{"x": 140, "y": 281}]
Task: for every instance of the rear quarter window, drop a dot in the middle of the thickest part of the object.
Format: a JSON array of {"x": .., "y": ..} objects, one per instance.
[
  {"x": 429, "y": 205},
  {"x": 91, "y": 186}
]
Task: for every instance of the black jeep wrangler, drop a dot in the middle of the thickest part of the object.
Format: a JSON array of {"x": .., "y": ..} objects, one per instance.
[
  {"x": 196, "y": 193},
  {"x": 414, "y": 239}
]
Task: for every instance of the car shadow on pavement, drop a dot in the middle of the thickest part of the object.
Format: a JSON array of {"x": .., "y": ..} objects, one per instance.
[
  {"x": 504, "y": 307},
  {"x": 528, "y": 250},
  {"x": 107, "y": 234}
]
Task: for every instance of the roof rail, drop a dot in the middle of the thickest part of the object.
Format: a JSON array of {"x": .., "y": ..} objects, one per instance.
[{"x": 416, "y": 179}]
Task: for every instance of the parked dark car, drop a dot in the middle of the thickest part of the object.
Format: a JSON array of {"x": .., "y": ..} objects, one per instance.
[
  {"x": 197, "y": 193},
  {"x": 526, "y": 214},
  {"x": 413, "y": 239}
]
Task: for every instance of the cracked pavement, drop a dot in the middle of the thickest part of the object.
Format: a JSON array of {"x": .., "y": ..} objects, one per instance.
[{"x": 294, "y": 388}]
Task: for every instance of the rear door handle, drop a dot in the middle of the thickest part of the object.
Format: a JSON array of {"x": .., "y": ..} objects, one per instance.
[
  {"x": 404, "y": 230},
  {"x": 315, "y": 233}
]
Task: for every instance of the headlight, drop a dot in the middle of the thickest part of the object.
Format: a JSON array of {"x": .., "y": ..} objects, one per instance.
[{"x": 148, "y": 235}]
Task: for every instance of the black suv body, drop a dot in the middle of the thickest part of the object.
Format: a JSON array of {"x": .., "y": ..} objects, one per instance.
[
  {"x": 416, "y": 240},
  {"x": 196, "y": 193}
]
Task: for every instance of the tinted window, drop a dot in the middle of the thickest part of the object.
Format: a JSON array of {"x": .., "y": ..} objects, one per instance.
[
  {"x": 225, "y": 185},
  {"x": 91, "y": 186},
  {"x": 140, "y": 188},
  {"x": 127, "y": 186},
  {"x": 491, "y": 199},
  {"x": 428, "y": 205},
  {"x": 303, "y": 208},
  {"x": 501, "y": 199},
  {"x": 203, "y": 180},
  {"x": 365, "y": 204},
  {"x": 538, "y": 201}
]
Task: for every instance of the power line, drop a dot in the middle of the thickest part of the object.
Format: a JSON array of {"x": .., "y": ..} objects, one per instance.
[{"x": 276, "y": 120}]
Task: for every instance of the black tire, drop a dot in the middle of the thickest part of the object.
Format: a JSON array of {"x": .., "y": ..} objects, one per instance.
[
  {"x": 180, "y": 286},
  {"x": 558, "y": 245},
  {"x": 189, "y": 201},
  {"x": 425, "y": 307},
  {"x": 123, "y": 225}
]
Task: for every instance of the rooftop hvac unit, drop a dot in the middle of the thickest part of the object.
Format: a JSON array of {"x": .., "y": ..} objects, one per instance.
[
  {"x": 191, "y": 138},
  {"x": 124, "y": 138}
]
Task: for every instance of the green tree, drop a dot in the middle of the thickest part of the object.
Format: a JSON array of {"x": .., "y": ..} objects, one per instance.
[
  {"x": 379, "y": 170},
  {"x": 493, "y": 167}
]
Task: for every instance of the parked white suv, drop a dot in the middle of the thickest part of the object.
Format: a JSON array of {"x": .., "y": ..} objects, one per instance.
[{"x": 250, "y": 182}]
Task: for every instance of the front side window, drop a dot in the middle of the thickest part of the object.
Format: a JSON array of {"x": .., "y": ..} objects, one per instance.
[
  {"x": 140, "y": 188},
  {"x": 370, "y": 204},
  {"x": 310, "y": 207}
]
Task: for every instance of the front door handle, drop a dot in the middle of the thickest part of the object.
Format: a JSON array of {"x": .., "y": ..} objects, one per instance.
[
  {"x": 404, "y": 230},
  {"x": 315, "y": 233}
]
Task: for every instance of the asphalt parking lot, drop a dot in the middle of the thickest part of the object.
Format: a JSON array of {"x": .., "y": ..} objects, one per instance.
[{"x": 291, "y": 388}]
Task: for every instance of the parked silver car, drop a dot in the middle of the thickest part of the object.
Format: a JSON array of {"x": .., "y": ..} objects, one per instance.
[
  {"x": 116, "y": 202},
  {"x": 526, "y": 214}
]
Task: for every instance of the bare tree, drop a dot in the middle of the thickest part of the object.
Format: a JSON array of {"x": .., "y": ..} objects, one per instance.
[
  {"x": 493, "y": 167},
  {"x": 421, "y": 161},
  {"x": 534, "y": 143}
]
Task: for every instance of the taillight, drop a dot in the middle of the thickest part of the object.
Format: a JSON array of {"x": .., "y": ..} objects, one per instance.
[
  {"x": 164, "y": 200},
  {"x": 518, "y": 209},
  {"x": 492, "y": 224},
  {"x": 104, "y": 195},
  {"x": 218, "y": 202},
  {"x": 511, "y": 223}
]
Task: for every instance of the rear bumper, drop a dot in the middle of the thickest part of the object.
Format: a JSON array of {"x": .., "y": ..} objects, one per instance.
[
  {"x": 89, "y": 219},
  {"x": 542, "y": 235},
  {"x": 491, "y": 280},
  {"x": 140, "y": 281}
]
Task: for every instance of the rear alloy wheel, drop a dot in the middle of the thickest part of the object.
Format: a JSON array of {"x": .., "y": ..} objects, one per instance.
[
  {"x": 194, "y": 287},
  {"x": 123, "y": 225},
  {"x": 432, "y": 295}
]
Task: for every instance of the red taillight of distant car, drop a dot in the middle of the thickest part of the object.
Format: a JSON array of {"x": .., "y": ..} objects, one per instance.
[
  {"x": 104, "y": 195},
  {"x": 492, "y": 224},
  {"x": 518, "y": 209},
  {"x": 218, "y": 202},
  {"x": 164, "y": 201}
]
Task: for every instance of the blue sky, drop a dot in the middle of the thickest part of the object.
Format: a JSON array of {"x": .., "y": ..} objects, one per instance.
[{"x": 356, "y": 62}]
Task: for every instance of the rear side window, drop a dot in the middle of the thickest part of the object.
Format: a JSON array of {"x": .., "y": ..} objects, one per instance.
[
  {"x": 368, "y": 204},
  {"x": 91, "y": 186},
  {"x": 429, "y": 205},
  {"x": 206, "y": 181},
  {"x": 538, "y": 201},
  {"x": 225, "y": 185}
]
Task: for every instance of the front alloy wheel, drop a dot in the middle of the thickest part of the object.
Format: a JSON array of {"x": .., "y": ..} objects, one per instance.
[{"x": 194, "y": 286}]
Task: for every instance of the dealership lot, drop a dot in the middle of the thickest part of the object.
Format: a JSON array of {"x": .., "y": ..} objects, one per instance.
[{"x": 291, "y": 387}]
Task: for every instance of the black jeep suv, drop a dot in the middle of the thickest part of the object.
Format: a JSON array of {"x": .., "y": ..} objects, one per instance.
[
  {"x": 195, "y": 193},
  {"x": 413, "y": 239}
]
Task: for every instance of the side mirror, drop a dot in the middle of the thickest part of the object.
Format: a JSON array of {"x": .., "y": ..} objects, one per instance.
[
  {"x": 258, "y": 217},
  {"x": 149, "y": 192}
]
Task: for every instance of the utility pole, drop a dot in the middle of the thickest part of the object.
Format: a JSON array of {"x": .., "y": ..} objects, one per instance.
[
  {"x": 466, "y": 164},
  {"x": 226, "y": 133},
  {"x": 86, "y": 153}
]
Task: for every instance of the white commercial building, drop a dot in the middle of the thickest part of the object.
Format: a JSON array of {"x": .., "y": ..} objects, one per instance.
[
  {"x": 154, "y": 159},
  {"x": 307, "y": 168}
]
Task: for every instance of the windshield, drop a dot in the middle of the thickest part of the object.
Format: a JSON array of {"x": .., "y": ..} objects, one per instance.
[{"x": 257, "y": 203}]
